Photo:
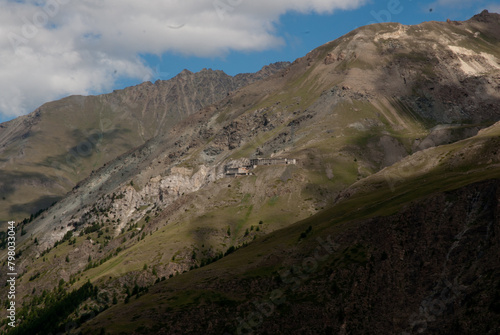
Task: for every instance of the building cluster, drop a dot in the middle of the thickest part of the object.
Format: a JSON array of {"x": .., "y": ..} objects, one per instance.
[
  {"x": 231, "y": 170},
  {"x": 238, "y": 171},
  {"x": 271, "y": 161}
]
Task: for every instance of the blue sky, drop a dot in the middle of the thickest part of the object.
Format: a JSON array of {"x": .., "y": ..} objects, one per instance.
[
  {"x": 57, "y": 48},
  {"x": 302, "y": 33}
]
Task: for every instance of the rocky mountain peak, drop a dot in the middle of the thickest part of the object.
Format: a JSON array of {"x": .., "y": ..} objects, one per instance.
[{"x": 487, "y": 17}]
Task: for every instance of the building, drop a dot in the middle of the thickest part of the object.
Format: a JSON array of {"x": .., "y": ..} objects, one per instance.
[
  {"x": 271, "y": 161},
  {"x": 237, "y": 171}
]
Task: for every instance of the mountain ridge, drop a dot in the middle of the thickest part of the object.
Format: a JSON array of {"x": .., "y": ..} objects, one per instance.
[{"x": 104, "y": 127}]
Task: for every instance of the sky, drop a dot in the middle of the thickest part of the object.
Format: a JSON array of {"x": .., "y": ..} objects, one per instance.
[{"x": 50, "y": 49}]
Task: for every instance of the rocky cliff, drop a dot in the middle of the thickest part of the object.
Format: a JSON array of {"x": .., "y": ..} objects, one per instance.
[{"x": 50, "y": 150}]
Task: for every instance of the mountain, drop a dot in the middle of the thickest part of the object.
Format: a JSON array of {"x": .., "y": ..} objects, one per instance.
[
  {"x": 44, "y": 154},
  {"x": 431, "y": 267},
  {"x": 376, "y": 213}
]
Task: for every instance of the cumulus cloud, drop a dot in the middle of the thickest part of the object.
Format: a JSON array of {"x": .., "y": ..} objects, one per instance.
[{"x": 52, "y": 48}]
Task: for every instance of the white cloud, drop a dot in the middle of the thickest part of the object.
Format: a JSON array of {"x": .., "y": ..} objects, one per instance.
[{"x": 52, "y": 48}]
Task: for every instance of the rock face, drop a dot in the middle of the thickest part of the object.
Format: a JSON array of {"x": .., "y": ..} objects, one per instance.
[
  {"x": 62, "y": 142},
  {"x": 164, "y": 190}
]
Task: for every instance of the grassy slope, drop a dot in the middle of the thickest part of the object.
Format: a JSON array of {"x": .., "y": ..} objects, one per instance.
[
  {"x": 276, "y": 196},
  {"x": 92, "y": 132},
  {"x": 381, "y": 200}
]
